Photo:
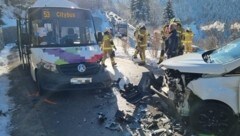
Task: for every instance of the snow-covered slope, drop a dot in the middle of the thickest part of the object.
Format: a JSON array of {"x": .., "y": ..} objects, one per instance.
[
  {"x": 204, "y": 11},
  {"x": 220, "y": 15},
  {"x": 100, "y": 20}
]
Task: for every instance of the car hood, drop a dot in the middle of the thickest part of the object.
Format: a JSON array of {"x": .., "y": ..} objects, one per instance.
[{"x": 192, "y": 63}]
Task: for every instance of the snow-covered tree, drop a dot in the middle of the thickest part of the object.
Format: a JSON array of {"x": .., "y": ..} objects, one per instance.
[
  {"x": 168, "y": 13},
  {"x": 1, "y": 14},
  {"x": 21, "y": 4},
  {"x": 156, "y": 11},
  {"x": 140, "y": 10},
  {"x": 89, "y": 4}
]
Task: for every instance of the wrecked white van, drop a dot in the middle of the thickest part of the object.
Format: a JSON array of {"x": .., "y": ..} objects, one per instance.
[{"x": 206, "y": 87}]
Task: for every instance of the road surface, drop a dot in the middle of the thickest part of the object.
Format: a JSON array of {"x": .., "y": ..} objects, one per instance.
[{"x": 68, "y": 113}]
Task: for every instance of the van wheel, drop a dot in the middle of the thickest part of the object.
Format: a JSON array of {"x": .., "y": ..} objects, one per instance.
[
  {"x": 39, "y": 86},
  {"x": 212, "y": 118}
]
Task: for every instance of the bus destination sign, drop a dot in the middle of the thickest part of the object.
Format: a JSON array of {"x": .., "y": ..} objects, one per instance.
[{"x": 58, "y": 14}]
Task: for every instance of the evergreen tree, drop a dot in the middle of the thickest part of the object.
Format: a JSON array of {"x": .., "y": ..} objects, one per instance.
[
  {"x": 168, "y": 13},
  {"x": 21, "y": 4},
  {"x": 140, "y": 10},
  {"x": 1, "y": 14}
]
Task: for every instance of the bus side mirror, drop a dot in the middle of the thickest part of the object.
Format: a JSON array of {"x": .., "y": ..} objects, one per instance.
[
  {"x": 99, "y": 37},
  {"x": 25, "y": 38}
]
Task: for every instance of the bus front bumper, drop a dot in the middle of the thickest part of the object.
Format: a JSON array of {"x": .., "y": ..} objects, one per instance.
[{"x": 54, "y": 82}]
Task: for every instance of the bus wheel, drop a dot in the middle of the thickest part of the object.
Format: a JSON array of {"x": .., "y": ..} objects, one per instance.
[{"x": 39, "y": 86}]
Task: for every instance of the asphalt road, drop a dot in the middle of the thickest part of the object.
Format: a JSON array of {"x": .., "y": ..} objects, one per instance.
[
  {"x": 66, "y": 113},
  {"x": 74, "y": 113},
  {"x": 61, "y": 114}
]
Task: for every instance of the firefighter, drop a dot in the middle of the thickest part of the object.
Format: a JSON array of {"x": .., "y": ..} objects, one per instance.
[
  {"x": 172, "y": 41},
  {"x": 156, "y": 41},
  {"x": 180, "y": 31},
  {"x": 137, "y": 47},
  {"x": 188, "y": 40},
  {"x": 164, "y": 37},
  {"x": 142, "y": 41},
  {"x": 107, "y": 47}
]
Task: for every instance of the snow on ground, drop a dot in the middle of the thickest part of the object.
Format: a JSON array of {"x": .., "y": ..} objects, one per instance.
[
  {"x": 5, "y": 103},
  {"x": 134, "y": 73}
]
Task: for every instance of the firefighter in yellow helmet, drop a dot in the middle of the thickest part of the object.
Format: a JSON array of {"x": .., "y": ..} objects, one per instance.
[
  {"x": 107, "y": 48},
  {"x": 188, "y": 40},
  {"x": 142, "y": 42}
]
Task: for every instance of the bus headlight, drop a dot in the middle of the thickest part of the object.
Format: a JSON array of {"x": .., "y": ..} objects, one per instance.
[{"x": 49, "y": 66}]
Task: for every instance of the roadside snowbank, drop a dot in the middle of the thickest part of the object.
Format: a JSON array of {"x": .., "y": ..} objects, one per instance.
[{"x": 5, "y": 103}]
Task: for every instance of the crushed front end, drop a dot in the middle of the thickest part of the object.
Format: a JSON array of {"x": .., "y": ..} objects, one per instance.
[{"x": 176, "y": 84}]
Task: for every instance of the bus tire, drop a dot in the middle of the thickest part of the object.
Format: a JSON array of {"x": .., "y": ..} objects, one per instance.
[{"x": 39, "y": 86}]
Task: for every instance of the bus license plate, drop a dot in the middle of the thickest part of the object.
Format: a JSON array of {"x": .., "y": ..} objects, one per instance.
[{"x": 81, "y": 80}]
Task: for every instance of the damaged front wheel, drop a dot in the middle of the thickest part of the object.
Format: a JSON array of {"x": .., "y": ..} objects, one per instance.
[{"x": 212, "y": 118}]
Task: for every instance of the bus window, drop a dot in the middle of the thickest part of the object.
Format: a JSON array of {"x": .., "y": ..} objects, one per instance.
[
  {"x": 62, "y": 27},
  {"x": 42, "y": 33},
  {"x": 69, "y": 35}
]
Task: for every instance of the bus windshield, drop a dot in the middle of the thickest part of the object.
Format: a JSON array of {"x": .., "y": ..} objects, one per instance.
[{"x": 61, "y": 26}]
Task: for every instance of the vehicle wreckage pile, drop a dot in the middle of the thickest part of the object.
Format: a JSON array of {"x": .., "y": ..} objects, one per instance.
[{"x": 153, "y": 115}]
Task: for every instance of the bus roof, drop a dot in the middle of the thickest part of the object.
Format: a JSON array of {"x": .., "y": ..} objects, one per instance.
[{"x": 54, "y": 3}]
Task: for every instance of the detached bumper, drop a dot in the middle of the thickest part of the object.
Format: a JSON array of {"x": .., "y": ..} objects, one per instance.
[{"x": 55, "y": 82}]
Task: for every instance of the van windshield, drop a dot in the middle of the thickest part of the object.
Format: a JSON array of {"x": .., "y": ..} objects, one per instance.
[
  {"x": 227, "y": 53},
  {"x": 61, "y": 26}
]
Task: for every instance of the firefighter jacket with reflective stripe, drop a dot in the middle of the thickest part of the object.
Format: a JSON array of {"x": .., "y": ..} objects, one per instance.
[
  {"x": 136, "y": 33},
  {"x": 188, "y": 37},
  {"x": 156, "y": 36},
  {"x": 165, "y": 32},
  {"x": 142, "y": 37},
  {"x": 180, "y": 35},
  {"x": 107, "y": 43}
]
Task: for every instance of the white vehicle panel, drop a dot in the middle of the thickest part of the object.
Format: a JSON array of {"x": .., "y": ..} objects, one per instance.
[
  {"x": 232, "y": 65},
  {"x": 193, "y": 63},
  {"x": 225, "y": 89}
]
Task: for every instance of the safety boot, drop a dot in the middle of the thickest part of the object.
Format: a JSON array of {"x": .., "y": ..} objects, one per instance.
[
  {"x": 134, "y": 56},
  {"x": 114, "y": 64},
  {"x": 142, "y": 63},
  {"x": 160, "y": 60},
  {"x": 104, "y": 65}
]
